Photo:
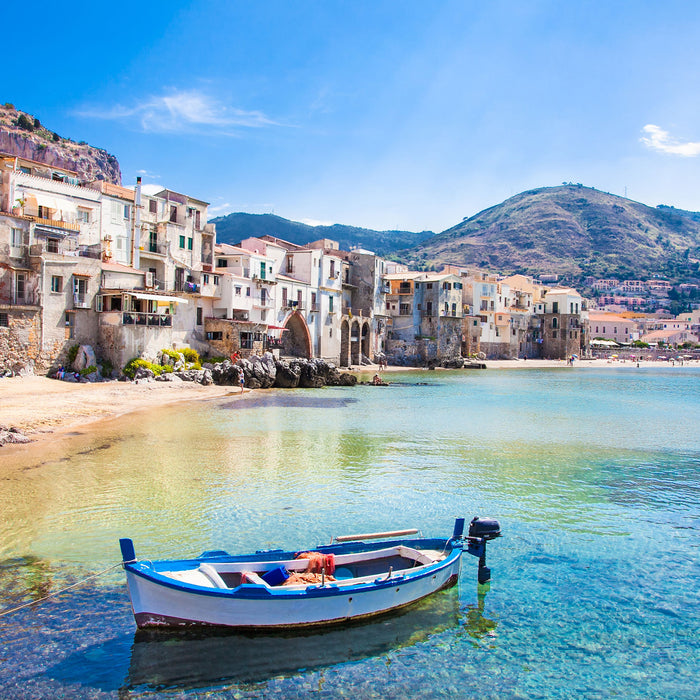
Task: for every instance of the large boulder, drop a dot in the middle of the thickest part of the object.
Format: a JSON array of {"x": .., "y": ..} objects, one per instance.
[{"x": 288, "y": 374}]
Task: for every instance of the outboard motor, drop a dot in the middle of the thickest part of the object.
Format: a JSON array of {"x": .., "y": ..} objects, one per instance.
[
  {"x": 481, "y": 530},
  {"x": 486, "y": 528}
]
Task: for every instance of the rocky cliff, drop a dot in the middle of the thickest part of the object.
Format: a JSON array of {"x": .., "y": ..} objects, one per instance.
[{"x": 23, "y": 135}]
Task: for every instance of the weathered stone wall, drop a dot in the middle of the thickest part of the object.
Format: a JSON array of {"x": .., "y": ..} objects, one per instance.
[{"x": 20, "y": 341}]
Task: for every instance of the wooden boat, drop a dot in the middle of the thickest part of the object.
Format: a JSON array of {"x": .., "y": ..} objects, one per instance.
[{"x": 348, "y": 579}]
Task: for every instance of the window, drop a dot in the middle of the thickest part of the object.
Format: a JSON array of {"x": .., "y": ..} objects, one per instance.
[
  {"x": 555, "y": 307},
  {"x": 20, "y": 287},
  {"x": 215, "y": 335},
  {"x": 330, "y": 305},
  {"x": 284, "y": 296},
  {"x": 80, "y": 285},
  {"x": 70, "y": 324},
  {"x": 199, "y": 315},
  {"x": 222, "y": 262},
  {"x": 16, "y": 242},
  {"x": 332, "y": 273},
  {"x": 313, "y": 301},
  {"x": 216, "y": 279},
  {"x": 429, "y": 308},
  {"x": 454, "y": 309},
  {"x": 52, "y": 245},
  {"x": 262, "y": 270},
  {"x": 404, "y": 309},
  {"x": 429, "y": 285},
  {"x": 182, "y": 242},
  {"x": 189, "y": 244},
  {"x": 238, "y": 290},
  {"x": 205, "y": 279},
  {"x": 554, "y": 334},
  {"x": 173, "y": 214},
  {"x": 554, "y": 323},
  {"x": 247, "y": 291},
  {"x": 127, "y": 212},
  {"x": 246, "y": 341},
  {"x": 153, "y": 206},
  {"x": 44, "y": 212},
  {"x": 56, "y": 283},
  {"x": 84, "y": 216},
  {"x": 4, "y": 320},
  {"x": 299, "y": 297},
  {"x": 198, "y": 219},
  {"x": 290, "y": 264}
]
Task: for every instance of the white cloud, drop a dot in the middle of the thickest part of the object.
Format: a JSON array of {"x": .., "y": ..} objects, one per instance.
[
  {"x": 660, "y": 140},
  {"x": 184, "y": 110},
  {"x": 316, "y": 222}
]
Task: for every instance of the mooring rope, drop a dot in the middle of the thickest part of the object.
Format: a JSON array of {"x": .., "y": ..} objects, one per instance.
[{"x": 60, "y": 591}]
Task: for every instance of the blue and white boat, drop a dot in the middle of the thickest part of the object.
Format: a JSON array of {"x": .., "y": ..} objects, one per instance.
[{"x": 354, "y": 577}]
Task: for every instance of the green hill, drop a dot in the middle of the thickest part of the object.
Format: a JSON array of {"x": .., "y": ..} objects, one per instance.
[
  {"x": 235, "y": 227},
  {"x": 574, "y": 231}
]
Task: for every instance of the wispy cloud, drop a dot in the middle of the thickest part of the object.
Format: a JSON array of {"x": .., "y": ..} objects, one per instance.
[
  {"x": 183, "y": 111},
  {"x": 220, "y": 209},
  {"x": 660, "y": 140}
]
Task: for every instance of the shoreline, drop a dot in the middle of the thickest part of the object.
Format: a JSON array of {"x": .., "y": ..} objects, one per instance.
[{"x": 41, "y": 408}]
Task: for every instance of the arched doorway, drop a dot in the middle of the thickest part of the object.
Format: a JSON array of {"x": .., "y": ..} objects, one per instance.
[
  {"x": 296, "y": 340},
  {"x": 365, "y": 343},
  {"x": 355, "y": 343},
  {"x": 344, "y": 344}
]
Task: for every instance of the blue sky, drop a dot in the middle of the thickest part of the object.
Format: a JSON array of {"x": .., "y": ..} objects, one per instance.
[{"x": 382, "y": 113}]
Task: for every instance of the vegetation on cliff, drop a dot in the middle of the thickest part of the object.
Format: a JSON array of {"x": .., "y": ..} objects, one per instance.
[
  {"x": 23, "y": 135},
  {"x": 574, "y": 231}
]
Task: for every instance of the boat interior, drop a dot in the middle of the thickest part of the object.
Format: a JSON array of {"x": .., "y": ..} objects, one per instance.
[{"x": 348, "y": 569}]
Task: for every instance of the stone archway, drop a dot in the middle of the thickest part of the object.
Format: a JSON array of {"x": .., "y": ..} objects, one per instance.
[
  {"x": 344, "y": 344},
  {"x": 355, "y": 343},
  {"x": 365, "y": 340},
  {"x": 296, "y": 340}
]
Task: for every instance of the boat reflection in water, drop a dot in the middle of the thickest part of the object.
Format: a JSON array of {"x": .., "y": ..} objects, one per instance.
[{"x": 209, "y": 657}]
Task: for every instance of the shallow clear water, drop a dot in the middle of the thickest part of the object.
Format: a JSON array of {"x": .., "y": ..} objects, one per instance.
[{"x": 594, "y": 475}]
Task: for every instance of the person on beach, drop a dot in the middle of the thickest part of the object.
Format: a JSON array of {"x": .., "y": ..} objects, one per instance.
[{"x": 241, "y": 379}]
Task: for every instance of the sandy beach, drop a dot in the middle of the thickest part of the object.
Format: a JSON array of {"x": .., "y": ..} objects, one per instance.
[{"x": 39, "y": 407}]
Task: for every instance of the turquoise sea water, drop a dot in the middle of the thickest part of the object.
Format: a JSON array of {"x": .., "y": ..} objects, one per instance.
[{"x": 593, "y": 474}]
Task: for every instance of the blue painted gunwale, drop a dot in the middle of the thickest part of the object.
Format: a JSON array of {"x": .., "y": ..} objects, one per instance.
[{"x": 250, "y": 591}]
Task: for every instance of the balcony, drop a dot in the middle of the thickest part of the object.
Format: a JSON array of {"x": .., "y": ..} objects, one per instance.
[
  {"x": 156, "y": 248},
  {"x": 54, "y": 223},
  {"x": 80, "y": 301}
]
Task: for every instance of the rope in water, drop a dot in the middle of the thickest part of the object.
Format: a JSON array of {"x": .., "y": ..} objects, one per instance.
[{"x": 60, "y": 591}]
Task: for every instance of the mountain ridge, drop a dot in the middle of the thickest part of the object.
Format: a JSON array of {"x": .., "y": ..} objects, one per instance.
[
  {"x": 571, "y": 230},
  {"x": 236, "y": 226}
]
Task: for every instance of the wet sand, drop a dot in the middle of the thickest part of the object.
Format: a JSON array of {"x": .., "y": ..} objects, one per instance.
[{"x": 38, "y": 406}]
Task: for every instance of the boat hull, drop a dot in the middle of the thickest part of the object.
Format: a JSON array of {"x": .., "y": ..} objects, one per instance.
[{"x": 159, "y": 603}]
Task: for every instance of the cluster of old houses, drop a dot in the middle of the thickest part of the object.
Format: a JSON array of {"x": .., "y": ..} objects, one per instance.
[
  {"x": 132, "y": 270},
  {"x": 637, "y": 295}
]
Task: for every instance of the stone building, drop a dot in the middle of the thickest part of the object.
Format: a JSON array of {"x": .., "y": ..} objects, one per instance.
[{"x": 564, "y": 327}]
